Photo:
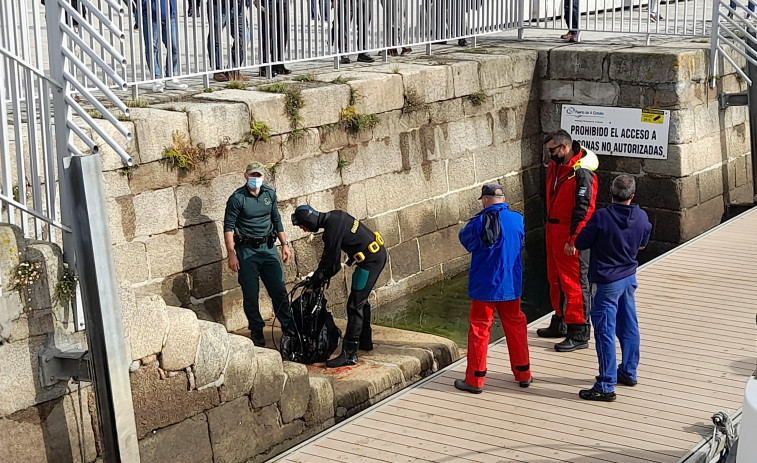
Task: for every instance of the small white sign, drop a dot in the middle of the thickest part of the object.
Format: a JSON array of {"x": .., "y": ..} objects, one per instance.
[{"x": 631, "y": 132}]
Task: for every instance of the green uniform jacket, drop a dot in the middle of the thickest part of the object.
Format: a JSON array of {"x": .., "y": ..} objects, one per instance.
[{"x": 253, "y": 216}]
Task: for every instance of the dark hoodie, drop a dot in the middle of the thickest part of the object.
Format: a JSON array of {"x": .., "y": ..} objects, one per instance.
[{"x": 614, "y": 235}]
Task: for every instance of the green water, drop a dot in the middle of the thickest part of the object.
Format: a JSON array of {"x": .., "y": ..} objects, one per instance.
[{"x": 442, "y": 308}]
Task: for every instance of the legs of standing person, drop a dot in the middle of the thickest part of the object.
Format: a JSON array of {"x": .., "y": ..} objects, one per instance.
[
  {"x": 604, "y": 315},
  {"x": 627, "y": 329},
  {"x": 168, "y": 31},
  {"x": 569, "y": 271},
  {"x": 150, "y": 33},
  {"x": 515, "y": 326},
  {"x": 238, "y": 25},
  {"x": 363, "y": 280},
  {"x": 217, "y": 22},
  {"x": 583, "y": 280},
  {"x": 272, "y": 275},
  {"x": 282, "y": 36},
  {"x": 556, "y": 326},
  {"x": 570, "y": 13},
  {"x": 249, "y": 274},
  {"x": 480, "y": 319}
]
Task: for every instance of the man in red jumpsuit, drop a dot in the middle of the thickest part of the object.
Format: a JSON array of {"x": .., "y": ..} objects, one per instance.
[{"x": 571, "y": 195}]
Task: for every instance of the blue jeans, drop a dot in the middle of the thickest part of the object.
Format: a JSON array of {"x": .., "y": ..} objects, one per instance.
[
  {"x": 571, "y": 15},
  {"x": 219, "y": 17},
  {"x": 751, "y": 6},
  {"x": 613, "y": 313},
  {"x": 152, "y": 47}
]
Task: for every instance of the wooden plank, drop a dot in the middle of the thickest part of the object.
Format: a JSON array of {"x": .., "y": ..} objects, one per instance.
[
  {"x": 625, "y": 410},
  {"x": 521, "y": 409},
  {"x": 408, "y": 445},
  {"x": 696, "y": 314},
  {"x": 489, "y": 428}
]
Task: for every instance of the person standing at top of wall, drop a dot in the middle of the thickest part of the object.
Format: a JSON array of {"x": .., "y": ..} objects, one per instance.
[
  {"x": 159, "y": 25},
  {"x": 251, "y": 225},
  {"x": 571, "y": 197},
  {"x": 571, "y": 16},
  {"x": 221, "y": 13}
]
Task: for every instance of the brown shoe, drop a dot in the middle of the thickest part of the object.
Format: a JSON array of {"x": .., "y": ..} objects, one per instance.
[
  {"x": 236, "y": 75},
  {"x": 566, "y": 36},
  {"x": 406, "y": 51},
  {"x": 221, "y": 77}
]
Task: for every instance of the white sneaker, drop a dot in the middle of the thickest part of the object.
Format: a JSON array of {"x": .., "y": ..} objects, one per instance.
[
  {"x": 174, "y": 84},
  {"x": 157, "y": 87}
]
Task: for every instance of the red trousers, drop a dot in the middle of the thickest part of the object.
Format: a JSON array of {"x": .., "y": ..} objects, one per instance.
[
  {"x": 514, "y": 324},
  {"x": 564, "y": 276}
]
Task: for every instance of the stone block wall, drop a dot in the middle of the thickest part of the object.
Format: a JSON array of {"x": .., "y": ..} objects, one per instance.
[
  {"x": 415, "y": 176},
  {"x": 199, "y": 393},
  {"x": 709, "y": 163},
  {"x": 37, "y": 423}
]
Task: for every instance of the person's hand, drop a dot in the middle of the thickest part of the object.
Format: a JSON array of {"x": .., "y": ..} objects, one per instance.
[
  {"x": 570, "y": 250},
  {"x": 285, "y": 253},
  {"x": 233, "y": 263}
]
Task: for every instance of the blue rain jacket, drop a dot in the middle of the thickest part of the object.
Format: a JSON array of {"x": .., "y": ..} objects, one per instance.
[{"x": 494, "y": 237}]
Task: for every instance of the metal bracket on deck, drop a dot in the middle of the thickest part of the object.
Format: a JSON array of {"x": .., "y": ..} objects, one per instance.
[
  {"x": 733, "y": 99},
  {"x": 56, "y": 365}
]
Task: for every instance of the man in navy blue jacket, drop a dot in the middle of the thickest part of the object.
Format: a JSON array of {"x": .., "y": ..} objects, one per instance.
[
  {"x": 615, "y": 235},
  {"x": 494, "y": 237}
]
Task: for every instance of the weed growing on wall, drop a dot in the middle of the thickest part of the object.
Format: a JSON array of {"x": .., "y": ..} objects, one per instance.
[
  {"x": 292, "y": 105},
  {"x": 356, "y": 122},
  {"x": 95, "y": 114},
  {"x": 66, "y": 287},
  {"x": 184, "y": 156},
  {"x": 259, "y": 131},
  {"x": 138, "y": 103},
  {"x": 339, "y": 80},
  {"x": 341, "y": 164},
  {"x": 25, "y": 275},
  {"x": 309, "y": 77},
  {"x": 208, "y": 90},
  {"x": 236, "y": 85},
  {"x": 477, "y": 98},
  {"x": 128, "y": 170},
  {"x": 413, "y": 102}
]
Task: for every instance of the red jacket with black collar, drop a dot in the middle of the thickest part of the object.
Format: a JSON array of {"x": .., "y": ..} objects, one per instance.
[{"x": 571, "y": 193}]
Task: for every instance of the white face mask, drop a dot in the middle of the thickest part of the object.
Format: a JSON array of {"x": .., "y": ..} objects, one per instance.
[{"x": 254, "y": 182}]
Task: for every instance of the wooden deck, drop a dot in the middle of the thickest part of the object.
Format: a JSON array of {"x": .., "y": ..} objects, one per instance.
[{"x": 696, "y": 308}]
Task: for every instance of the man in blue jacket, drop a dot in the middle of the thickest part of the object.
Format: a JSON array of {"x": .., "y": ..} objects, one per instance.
[
  {"x": 615, "y": 235},
  {"x": 494, "y": 237}
]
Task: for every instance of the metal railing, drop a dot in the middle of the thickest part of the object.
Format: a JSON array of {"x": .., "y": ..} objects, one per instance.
[
  {"x": 733, "y": 37},
  {"x": 163, "y": 40}
]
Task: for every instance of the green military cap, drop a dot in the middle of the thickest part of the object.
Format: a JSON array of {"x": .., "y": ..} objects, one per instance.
[{"x": 255, "y": 167}]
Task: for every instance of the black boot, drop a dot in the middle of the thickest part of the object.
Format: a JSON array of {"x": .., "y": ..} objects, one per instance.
[
  {"x": 257, "y": 338},
  {"x": 556, "y": 328},
  {"x": 577, "y": 337},
  {"x": 347, "y": 357},
  {"x": 366, "y": 333}
]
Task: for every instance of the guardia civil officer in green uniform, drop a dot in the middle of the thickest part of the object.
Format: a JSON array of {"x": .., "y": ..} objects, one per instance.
[
  {"x": 365, "y": 249},
  {"x": 250, "y": 227}
]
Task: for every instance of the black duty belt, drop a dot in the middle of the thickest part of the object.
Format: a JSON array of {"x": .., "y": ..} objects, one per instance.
[
  {"x": 553, "y": 220},
  {"x": 254, "y": 241}
]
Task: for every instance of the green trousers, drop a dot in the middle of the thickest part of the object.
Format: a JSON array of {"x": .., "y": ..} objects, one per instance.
[{"x": 257, "y": 264}]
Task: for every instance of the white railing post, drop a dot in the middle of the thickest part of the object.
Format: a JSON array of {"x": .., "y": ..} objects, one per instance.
[{"x": 714, "y": 42}]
